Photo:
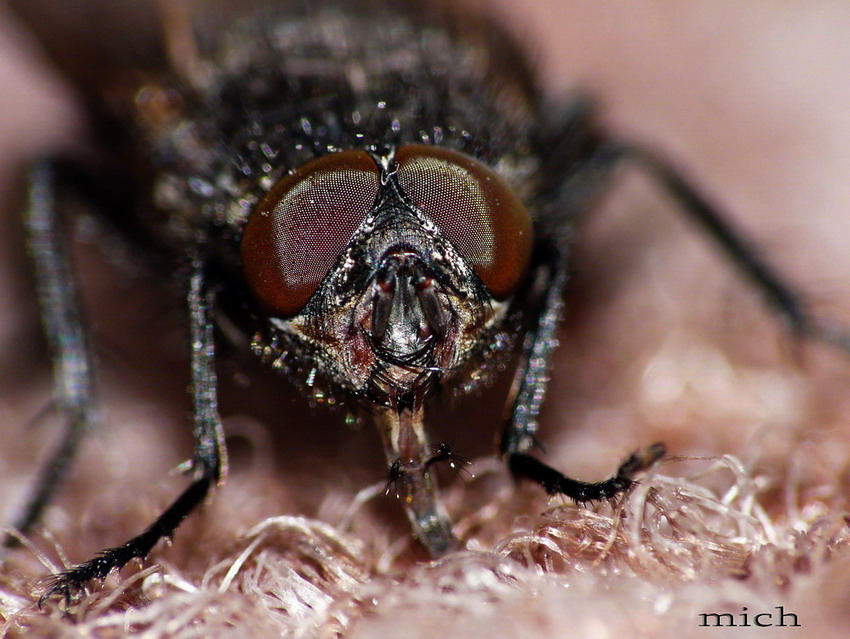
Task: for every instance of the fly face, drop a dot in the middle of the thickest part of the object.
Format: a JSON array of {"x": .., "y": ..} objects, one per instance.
[
  {"x": 423, "y": 249},
  {"x": 388, "y": 270}
]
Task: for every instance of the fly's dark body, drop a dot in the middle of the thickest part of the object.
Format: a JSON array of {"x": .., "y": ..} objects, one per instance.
[
  {"x": 282, "y": 92},
  {"x": 376, "y": 200}
]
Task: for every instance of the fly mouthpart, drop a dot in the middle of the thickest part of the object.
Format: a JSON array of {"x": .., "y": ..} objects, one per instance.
[{"x": 406, "y": 309}]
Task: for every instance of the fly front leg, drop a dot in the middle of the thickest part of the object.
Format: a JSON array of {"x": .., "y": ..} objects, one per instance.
[
  {"x": 518, "y": 436},
  {"x": 208, "y": 464},
  {"x": 409, "y": 457}
]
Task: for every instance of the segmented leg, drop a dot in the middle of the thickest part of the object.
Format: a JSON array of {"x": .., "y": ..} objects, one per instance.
[
  {"x": 588, "y": 161},
  {"x": 208, "y": 458},
  {"x": 518, "y": 436},
  {"x": 790, "y": 304},
  {"x": 588, "y": 175},
  {"x": 62, "y": 318}
]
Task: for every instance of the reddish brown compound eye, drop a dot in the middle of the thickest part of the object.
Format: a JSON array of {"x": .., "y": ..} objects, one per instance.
[
  {"x": 301, "y": 226},
  {"x": 474, "y": 208}
]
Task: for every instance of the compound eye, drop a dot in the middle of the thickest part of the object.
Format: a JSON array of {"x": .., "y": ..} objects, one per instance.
[
  {"x": 299, "y": 229},
  {"x": 474, "y": 208}
]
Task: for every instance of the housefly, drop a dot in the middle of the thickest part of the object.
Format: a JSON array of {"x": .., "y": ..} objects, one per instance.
[{"x": 383, "y": 211}]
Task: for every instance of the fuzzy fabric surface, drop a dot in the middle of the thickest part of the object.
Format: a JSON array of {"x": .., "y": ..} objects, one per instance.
[{"x": 662, "y": 342}]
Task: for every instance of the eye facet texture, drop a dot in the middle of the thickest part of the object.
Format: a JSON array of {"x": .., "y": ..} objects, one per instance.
[
  {"x": 302, "y": 225},
  {"x": 299, "y": 229},
  {"x": 474, "y": 208}
]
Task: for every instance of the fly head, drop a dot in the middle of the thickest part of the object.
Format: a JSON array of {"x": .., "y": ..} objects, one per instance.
[{"x": 386, "y": 267}]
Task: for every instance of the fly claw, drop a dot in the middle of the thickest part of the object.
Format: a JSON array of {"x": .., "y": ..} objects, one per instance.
[
  {"x": 444, "y": 453},
  {"x": 394, "y": 475}
]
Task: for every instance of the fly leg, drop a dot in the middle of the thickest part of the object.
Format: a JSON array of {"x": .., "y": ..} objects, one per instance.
[
  {"x": 587, "y": 161},
  {"x": 63, "y": 324},
  {"x": 518, "y": 436},
  {"x": 782, "y": 297},
  {"x": 593, "y": 162},
  {"x": 208, "y": 463}
]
